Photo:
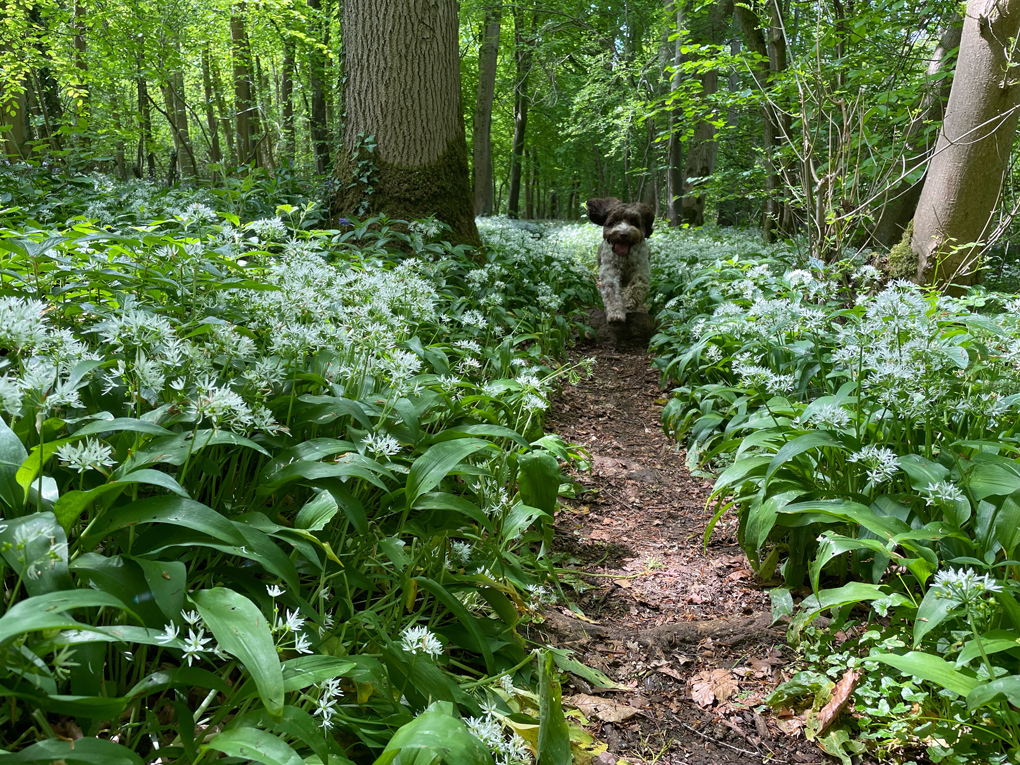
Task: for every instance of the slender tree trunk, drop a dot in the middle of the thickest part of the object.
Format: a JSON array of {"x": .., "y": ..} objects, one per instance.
[
  {"x": 964, "y": 182},
  {"x": 674, "y": 169},
  {"x": 263, "y": 99},
  {"x": 177, "y": 117},
  {"x": 768, "y": 56},
  {"x": 319, "y": 126},
  {"x": 81, "y": 66},
  {"x": 146, "y": 153},
  {"x": 215, "y": 155},
  {"x": 488, "y": 57},
  {"x": 402, "y": 67},
  {"x": 13, "y": 111},
  {"x": 287, "y": 99},
  {"x": 899, "y": 203},
  {"x": 244, "y": 97},
  {"x": 225, "y": 115},
  {"x": 47, "y": 90},
  {"x": 728, "y": 207},
  {"x": 523, "y": 53},
  {"x": 703, "y": 148}
]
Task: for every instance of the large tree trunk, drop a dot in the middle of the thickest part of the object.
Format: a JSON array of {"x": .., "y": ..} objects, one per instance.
[
  {"x": 523, "y": 54},
  {"x": 402, "y": 64},
  {"x": 972, "y": 154},
  {"x": 318, "y": 122},
  {"x": 900, "y": 201},
  {"x": 146, "y": 160},
  {"x": 488, "y": 57},
  {"x": 728, "y": 207}
]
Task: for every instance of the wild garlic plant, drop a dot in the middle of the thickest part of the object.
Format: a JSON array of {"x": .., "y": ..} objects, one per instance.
[
  {"x": 865, "y": 434},
  {"x": 249, "y": 470}
]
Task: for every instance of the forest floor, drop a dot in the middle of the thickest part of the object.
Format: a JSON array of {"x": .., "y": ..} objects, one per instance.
[{"x": 684, "y": 630}]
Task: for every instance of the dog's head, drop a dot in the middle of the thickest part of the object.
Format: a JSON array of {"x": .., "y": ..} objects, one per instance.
[{"x": 624, "y": 225}]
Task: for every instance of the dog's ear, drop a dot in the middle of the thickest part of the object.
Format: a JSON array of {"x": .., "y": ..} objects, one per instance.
[
  {"x": 598, "y": 210},
  {"x": 647, "y": 218}
]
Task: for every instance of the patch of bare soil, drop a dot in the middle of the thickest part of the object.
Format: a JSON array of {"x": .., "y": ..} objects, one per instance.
[{"x": 684, "y": 628}]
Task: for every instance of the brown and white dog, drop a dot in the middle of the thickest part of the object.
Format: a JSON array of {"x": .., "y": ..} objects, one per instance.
[{"x": 624, "y": 267}]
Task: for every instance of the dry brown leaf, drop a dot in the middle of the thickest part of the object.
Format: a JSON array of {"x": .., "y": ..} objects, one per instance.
[
  {"x": 791, "y": 726},
  {"x": 712, "y": 685},
  {"x": 604, "y": 709},
  {"x": 670, "y": 672},
  {"x": 840, "y": 697}
]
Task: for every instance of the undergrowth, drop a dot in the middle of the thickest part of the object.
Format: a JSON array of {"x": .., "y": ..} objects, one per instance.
[
  {"x": 272, "y": 492},
  {"x": 865, "y": 435}
]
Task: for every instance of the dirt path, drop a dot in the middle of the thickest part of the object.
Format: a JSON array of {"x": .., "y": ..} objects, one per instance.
[{"x": 686, "y": 623}]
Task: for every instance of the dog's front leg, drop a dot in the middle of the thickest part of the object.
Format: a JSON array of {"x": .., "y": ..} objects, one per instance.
[
  {"x": 610, "y": 287},
  {"x": 638, "y": 281}
]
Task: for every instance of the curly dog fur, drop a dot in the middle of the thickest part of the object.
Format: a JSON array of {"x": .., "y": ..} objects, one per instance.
[{"x": 623, "y": 257}]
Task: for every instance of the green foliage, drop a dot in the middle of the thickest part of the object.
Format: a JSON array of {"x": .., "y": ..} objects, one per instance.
[
  {"x": 275, "y": 483},
  {"x": 902, "y": 262},
  {"x": 865, "y": 436}
]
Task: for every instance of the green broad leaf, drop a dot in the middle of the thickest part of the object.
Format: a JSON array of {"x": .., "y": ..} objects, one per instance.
[
  {"x": 922, "y": 472},
  {"x": 441, "y": 500},
  {"x": 347, "y": 466},
  {"x": 853, "y": 592},
  {"x": 255, "y": 745},
  {"x": 931, "y": 613},
  {"x": 566, "y": 662},
  {"x": 438, "y": 462},
  {"x": 992, "y": 642},
  {"x": 885, "y": 527},
  {"x": 782, "y": 603},
  {"x": 295, "y": 725},
  {"x": 302, "y": 671},
  {"x": 119, "y": 424},
  {"x": 1006, "y": 528},
  {"x": 87, "y": 707},
  {"x": 469, "y": 622},
  {"x": 317, "y": 512},
  {"x": 35, "y": 546},
  {"x": 84, "y": 751},
  {"x": 799, "y": 445},
  {"x": 553, "y": 733},
  {"x": 12, "y": 454},
  {"x": 833, "y": 545},
  {"x": 71, "y": 505},
  {"x": 176, "y": 449},
  {"x": 176, "y": 511},
  {"x": 519, "y": 519},
  {"x": 538, "y": 480},
  {"x": 993, "y": 475},
  {"x": 438, "y": 735},
  {"x": 1001, "y": 688},
  {"x": 740, "y": 471},
  {"x": 167, "y": 582},
  {"x": 933, "y": 669},
  {"x": 492, "y": 431},
  {"x": 242, "y": 631},
  {"x": 48, "y": 612},
  {"x": 762, "y": 517},
  {"x": 183, "y": 676}
]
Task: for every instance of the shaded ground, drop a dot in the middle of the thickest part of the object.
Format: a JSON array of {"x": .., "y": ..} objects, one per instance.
[{"x": 682, "y": 629}]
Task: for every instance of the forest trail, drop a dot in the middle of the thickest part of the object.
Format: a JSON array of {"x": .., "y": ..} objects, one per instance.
[{"x": 683, "y": 628}]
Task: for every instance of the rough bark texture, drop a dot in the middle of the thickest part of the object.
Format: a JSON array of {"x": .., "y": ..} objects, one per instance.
[
  {"x": 523, "y": 53},
  {"x": 972, "y": 154},
  {"x": 177, "y": 117},
  {"x": 488, "y": 56},
  {"x": 900, "y": 201},
  {"x": 403, "y": 86}
]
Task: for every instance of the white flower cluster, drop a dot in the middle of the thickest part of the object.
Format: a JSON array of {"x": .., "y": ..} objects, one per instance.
[{"x": 509, "y": 750}]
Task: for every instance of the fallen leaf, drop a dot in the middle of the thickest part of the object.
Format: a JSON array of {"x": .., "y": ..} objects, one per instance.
[
  {"x": 712, "y": 685},
  {"x": 670, "y": 672},
  {"x": 840, "y": 697},
  {"x": 791, "y": 726},
  {"x": 604, "y": 709}
]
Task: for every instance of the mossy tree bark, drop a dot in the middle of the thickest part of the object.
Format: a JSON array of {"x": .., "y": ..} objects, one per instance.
[
  {"x": 402, "y": 63},
  {"x": 965, "y": 177}
]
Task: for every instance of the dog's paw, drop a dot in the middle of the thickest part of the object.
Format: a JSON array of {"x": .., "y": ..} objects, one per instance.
[{"x": 616, "y": 317}]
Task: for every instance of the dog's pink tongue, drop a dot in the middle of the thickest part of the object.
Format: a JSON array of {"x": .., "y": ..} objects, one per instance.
[{"x": 621, "y": 249}]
